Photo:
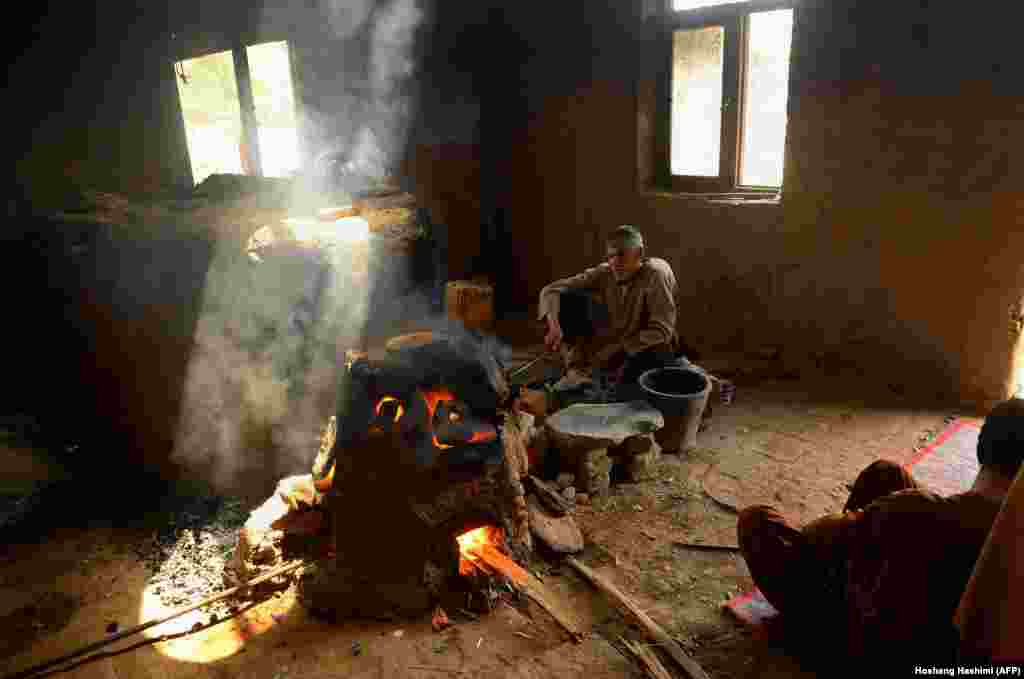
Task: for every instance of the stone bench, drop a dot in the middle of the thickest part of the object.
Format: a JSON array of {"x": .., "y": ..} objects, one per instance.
[{"x": 590, "y": 437}]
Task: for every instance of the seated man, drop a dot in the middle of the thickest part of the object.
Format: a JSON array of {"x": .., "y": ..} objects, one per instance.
[
  {"x": 638, "y": 294},
  {"x": 885, "y": 576}
]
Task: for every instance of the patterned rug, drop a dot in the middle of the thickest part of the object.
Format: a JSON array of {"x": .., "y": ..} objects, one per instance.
[{"x": 946, "y": 466}]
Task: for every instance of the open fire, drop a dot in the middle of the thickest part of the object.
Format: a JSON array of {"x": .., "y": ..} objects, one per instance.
[
  {"x": 447, "y": 420},
  {"x": 423, "y": 444},
  {"x": 471, "y": 543},
  {"x": 389, "y": 406}
]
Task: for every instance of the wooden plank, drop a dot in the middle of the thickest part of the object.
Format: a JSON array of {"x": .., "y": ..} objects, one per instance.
[
  {"x": 529, "y": 585},
  {"x": 653, "y": 629}
]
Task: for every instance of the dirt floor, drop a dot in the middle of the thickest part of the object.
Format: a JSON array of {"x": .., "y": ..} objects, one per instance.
[{"x": 795, "y": 444}]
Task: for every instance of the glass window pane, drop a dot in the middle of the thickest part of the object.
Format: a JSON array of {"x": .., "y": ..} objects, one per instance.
[
  {"x": 213, "y": 122},
  {"x": 697, "y": 58},
  {"x": 274, "y": 100},
  {"x": 767, "y": 90},
  {"x": 683, "y": 5}
]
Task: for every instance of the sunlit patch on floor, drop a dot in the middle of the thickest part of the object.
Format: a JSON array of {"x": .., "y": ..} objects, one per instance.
[{"x": 213, "y": 642}]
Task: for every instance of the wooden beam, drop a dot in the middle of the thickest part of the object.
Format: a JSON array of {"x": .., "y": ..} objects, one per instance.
[{"x": 653, "y": 629}]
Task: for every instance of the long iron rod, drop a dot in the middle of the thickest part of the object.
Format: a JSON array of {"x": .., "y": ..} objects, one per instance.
[{"x": 24, "y": 674}]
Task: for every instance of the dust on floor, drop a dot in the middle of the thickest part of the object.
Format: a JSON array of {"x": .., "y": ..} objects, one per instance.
[{"x": 775, "y": 443}]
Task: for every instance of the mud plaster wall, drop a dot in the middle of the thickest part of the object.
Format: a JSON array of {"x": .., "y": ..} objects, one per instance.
[
  {"x": 89, "y": 103},
  {"x": 896, "y": 250},
  {"x": 98, "y": 101}
]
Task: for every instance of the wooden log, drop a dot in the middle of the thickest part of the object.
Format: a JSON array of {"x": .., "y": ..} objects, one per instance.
[
  {"x": 516, "y": 456},
  {"x": 529, "y": 585},
  {"x": 516, "y": 462},
  {"x": 647, "y": 658},
  {"x": 653, "y": 629}
]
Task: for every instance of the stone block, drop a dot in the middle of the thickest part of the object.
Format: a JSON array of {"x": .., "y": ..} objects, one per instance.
[{"x": 594, "y": 472}]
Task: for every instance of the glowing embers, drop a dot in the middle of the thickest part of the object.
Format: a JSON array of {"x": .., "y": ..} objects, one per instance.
[
  {"x": 389, "y": 407},
  {"x": 471, "y": 543},
  {"x": 452, "y": 424},
  {"x": 324, "y": 463},
  {"x": 434, "y": 397},
  {"x": 387, "y": 414}
]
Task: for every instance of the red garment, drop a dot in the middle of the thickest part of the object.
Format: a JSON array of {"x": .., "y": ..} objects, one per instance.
[{"x": 888, "y": 573}]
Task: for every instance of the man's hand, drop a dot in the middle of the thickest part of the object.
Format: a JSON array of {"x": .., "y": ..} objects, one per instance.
[{"x": 553, "y": 340}]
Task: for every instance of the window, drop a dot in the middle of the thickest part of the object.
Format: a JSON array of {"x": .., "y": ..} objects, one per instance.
[
  {"x": 727, "y": 86},
  {"x": 239, "y": 112},
  {"x": 213, "y": 121},
  {"x": 274, "y": 102}
]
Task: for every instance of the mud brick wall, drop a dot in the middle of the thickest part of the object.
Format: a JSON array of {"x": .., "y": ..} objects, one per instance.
[{"x": 895, "y": 251}]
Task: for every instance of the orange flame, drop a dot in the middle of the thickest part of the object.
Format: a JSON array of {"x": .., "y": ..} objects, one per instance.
[
  {"x": 389, "y": 399},
  {"x": 434, "y": 397},
  {"x": 472, "y": 541},
  {"x": 324, "y": 484},
  {"x": 483, "y": 436}
]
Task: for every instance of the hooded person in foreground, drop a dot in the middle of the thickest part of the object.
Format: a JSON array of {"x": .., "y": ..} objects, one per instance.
[{"x": 885, "y": 576}]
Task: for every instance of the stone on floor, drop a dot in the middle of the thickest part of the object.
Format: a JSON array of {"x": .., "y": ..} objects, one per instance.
[{"x": 560, "y": 534}]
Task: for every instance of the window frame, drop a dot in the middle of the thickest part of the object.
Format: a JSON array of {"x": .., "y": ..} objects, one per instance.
[
  {"x": 734, "y": 20},
  {"x": 238, "y": 46}
]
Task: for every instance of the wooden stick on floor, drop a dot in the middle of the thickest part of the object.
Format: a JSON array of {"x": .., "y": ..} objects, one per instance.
[
  {"x": 647, "y": 658},
  {"x": 653, "y": 629}
]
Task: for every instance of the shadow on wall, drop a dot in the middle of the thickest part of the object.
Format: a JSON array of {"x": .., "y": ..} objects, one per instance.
[{"x": 107, "y": 320}]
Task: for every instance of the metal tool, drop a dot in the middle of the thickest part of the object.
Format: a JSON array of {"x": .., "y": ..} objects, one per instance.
[{"x": 522, "y": 369}]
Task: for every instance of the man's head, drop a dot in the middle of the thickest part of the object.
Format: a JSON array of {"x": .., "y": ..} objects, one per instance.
[
  {"x": 625, "y": 251},
  {"x": 1001, "y": 443}
]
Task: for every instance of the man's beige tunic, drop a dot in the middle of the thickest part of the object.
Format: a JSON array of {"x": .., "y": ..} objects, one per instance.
[{"x": 642, "y": 307}]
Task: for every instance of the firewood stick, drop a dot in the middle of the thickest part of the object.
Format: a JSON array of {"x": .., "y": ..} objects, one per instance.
[
  {"x": 531, "y": 587},
  {"x": 653, "y": 629},
  {"x": 705, "y": 547},
  {"x": 427, "y": 668},
  {"x": 152, "y": 641},
  {"x": 281, "y": 570},
  {"x": 522, "y": 369},
  {"x": 648, "y": 659}
]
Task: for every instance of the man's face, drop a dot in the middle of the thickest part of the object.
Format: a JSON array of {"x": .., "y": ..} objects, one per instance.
[{"x": 624, "y": 261}]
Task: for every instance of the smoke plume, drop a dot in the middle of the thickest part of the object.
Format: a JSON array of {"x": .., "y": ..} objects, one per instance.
[{"x": 266, "y": 353}]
